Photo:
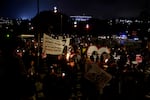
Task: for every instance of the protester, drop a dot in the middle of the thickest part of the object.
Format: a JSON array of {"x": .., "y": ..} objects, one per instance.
[
  {"x": 13, "y": 74},
  {"x": 90, "y": 89}
]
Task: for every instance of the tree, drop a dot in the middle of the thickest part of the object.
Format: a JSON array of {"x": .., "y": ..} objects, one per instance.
[{"x": 50, "y": 22}]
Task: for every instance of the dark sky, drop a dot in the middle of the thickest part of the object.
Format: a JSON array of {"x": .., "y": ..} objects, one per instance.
[{"x": 95, "y": 8}]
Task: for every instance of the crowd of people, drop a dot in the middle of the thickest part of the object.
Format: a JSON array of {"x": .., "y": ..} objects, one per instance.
[{"x": 27, "y": 75}]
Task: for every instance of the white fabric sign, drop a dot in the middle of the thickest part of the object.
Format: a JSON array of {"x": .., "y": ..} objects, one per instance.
[
  {"x": 52, "y": 46},
  {"x": 93, "y": 48}
]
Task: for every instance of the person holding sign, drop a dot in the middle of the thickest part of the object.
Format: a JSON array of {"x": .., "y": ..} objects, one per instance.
[{"x": 95, "y": 80}]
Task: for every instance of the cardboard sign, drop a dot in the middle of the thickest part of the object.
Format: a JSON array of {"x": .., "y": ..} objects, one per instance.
[{"x": 97, "y": 75}]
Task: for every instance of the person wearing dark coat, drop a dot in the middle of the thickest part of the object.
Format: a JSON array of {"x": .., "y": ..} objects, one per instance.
[{"x": 12, "y": 70}]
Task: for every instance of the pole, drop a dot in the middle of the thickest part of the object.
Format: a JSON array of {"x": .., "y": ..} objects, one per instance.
[
  {"x": 61, "y": 24},
  {"x": 38, "y": 10},
  {"x": 38, "y": 48}
]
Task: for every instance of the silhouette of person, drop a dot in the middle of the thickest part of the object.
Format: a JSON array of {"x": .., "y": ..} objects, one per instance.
[{"x": 12, "y": 70}]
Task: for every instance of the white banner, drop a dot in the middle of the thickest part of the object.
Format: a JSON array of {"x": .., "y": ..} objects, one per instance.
[
  {"x": 67, "y": 42},
  {"x": 52, "y": 46},
  {"x": 93, "y": 48}
]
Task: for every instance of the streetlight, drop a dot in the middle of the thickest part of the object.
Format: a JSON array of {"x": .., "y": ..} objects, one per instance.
[
  {"x": 75, "y": 24},
  {"x": 55, "y": 10}
]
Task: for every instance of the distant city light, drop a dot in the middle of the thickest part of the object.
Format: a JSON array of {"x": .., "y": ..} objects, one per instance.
[
  {"x": 87, "y": 26},
  {"x": 123, "y": 36},
  {"x": 81, "y": 18},
  {"x": 135, "y": 38}
]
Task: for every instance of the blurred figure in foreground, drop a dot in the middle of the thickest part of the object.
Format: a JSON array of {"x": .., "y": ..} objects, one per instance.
[{"x": 12, "y": 70}]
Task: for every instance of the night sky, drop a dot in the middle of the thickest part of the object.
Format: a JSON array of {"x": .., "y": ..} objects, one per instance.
[{"x": 96, "y": 8}]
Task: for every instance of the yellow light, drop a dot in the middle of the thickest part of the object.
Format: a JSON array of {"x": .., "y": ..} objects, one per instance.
[{"x": 7, "y": 35}]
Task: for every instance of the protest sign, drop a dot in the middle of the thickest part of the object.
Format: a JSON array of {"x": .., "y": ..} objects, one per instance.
[
  {"x": 97, "y": 75},
  {"x": 52, "y": 46},
  {"x": 100, "y": 51}
]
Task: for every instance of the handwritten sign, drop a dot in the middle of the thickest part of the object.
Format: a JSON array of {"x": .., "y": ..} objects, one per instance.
[
  {"x": 97, "y": 75},
  {"x": 52, "y": 46}
]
